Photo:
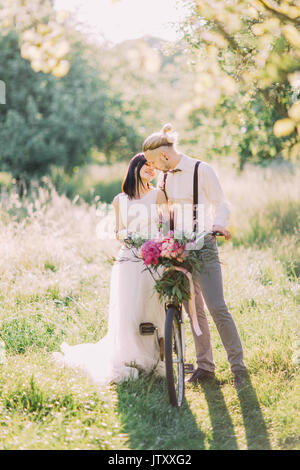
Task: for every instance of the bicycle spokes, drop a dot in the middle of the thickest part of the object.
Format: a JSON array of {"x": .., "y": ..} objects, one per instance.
[{"x": 174, "y": 357}]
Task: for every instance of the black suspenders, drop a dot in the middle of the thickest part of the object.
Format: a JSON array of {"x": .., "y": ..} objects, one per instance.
[
  {"x": 163, "y": 188},
  {"x": 195, "y": 197},
  {"x": 164, "y": 184}
]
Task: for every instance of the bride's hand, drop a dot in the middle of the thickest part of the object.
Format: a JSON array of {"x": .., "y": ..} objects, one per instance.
[{"x": 121, "y": 235}]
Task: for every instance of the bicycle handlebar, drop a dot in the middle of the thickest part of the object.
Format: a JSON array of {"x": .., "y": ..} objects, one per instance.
[{"x": 215, "y": 233}]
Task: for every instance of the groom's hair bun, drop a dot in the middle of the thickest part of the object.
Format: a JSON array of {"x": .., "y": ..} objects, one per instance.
[
  {"x": 167, "y": 128},
  {"x": 169, "y": 133},
  {"x": 165, "y": 137}
]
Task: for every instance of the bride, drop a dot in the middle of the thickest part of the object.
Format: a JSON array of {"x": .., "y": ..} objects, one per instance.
[{"x": 124, "y": 351}]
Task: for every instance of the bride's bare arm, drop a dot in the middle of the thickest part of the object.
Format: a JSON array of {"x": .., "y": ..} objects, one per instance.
[{"x": 118, "y": 226}]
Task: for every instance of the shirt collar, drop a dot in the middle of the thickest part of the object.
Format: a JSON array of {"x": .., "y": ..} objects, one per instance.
[{"x": 182, "y": 164}]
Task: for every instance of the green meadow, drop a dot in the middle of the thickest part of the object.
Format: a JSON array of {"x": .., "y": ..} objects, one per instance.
[{"x": 54, "y": 287}]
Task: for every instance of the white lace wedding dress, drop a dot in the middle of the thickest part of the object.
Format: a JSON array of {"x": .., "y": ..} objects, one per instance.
[{"x": 132, "y": 301}]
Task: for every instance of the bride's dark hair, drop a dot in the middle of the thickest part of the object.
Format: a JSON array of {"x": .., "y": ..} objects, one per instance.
[{"x": 133, "y": 181}]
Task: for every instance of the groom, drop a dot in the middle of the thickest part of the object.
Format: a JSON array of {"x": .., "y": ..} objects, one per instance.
[{"x": 177, "y": 183}]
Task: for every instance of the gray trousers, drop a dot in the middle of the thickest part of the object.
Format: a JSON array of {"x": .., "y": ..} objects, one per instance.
[{"x": 208, "y": 285}]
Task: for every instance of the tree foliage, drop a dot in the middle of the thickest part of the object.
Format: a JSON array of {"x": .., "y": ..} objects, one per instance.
[
  {"x": 42, "y": 33},
  {"x": 49, "y": 121},
  {"x": 249, "y": 52}
]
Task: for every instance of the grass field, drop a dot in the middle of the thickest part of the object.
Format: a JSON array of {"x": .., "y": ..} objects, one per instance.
[{"x": 54, "y": 286}]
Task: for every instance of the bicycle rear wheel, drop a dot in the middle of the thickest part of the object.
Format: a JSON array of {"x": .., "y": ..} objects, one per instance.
[{"x": 174, "y": 358}]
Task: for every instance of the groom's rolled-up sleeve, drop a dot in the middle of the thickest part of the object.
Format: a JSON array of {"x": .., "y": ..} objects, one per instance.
[{"x": 216, "y": 197}]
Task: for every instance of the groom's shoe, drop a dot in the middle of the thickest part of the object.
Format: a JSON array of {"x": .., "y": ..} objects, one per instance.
[
  {"x": 201, "y": 375},
  {"x": 241, "y": 379}
]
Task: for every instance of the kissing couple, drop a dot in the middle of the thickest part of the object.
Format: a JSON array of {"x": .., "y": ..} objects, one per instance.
[{"x": 123, "y": 352}]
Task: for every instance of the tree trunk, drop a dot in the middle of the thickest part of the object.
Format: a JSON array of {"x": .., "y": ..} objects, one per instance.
[{"x": 20, "y": 186}]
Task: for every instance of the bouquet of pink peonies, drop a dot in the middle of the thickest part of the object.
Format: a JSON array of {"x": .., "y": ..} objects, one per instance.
[
  {"x": 168, "y": 248},
  {"x": 161, "y": 257}
]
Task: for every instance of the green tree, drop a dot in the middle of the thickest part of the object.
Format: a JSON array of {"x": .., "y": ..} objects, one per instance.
[
  {"x": 42, "y": 33},
  {"x": 49, "y": 121},
  {"x": 249, "y": 52}
]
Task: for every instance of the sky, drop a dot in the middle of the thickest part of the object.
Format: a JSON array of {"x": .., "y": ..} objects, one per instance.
[{"x": 126, "y": 19}]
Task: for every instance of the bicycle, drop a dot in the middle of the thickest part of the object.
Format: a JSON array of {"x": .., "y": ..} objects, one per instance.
[{"x": 173, "y": 352}]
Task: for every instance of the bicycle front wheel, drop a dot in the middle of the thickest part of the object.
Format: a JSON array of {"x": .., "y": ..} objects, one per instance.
[{"x": 174, "y": 358}]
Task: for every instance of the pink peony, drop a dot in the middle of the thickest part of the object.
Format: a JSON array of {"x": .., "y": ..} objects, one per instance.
[
  {"x": 171, "y": 248},
  {"x": 150, "y": 252}
]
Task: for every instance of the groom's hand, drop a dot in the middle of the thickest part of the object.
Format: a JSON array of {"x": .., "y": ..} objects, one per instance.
[{"x": 219, "y": 228}]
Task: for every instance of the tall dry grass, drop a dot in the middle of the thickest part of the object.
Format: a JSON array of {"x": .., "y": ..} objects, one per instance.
[{"x": 54, "y": 286}]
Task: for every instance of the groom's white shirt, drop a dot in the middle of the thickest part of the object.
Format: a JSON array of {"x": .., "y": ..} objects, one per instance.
[{"x": 213, "y": 209}]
